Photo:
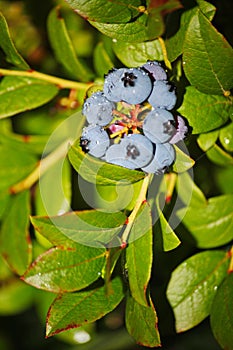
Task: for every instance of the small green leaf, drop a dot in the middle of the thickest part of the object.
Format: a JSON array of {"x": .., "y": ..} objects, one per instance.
[
  {"x": 63, "y": 48},
  {"x": 139, "y": 255},
  {"x": 218, "y": 156},
  {"x": 7, "y": 45},
  {"x": 211, "y": 226},
  {"x": 136, "y": 54},
  {"x": 99, "y": 172},
  {"x": 205, "y": 112},
  {"x": 207, "y": 140},
  {"x": 142, "y": 323},
  {"x": 226, "y": 137},
  {"x": 18, "y": 94},
  {"x": 89, "y": 227},
  {"x": 207, "y": 57},
  {"x": 221, "y": 317},
  {"x": 15, "y": 243},
  {"x": 193, "y": 285},
  {"x": 102, "y": 60},
  {"x": 183, "y": 161},
  {"x": 71, "y": 310},
  {"x": 66, "y": 270},
  {"x": 106, "y": 11}
]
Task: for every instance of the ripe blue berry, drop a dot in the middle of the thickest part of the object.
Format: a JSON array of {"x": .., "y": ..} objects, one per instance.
[
  {"x": 94, "y": 140},
  {"x": 133, "y": 152},
  {"x": 158, "y": 126},
  {"x": 156, "y": 70},
  {"x": 164, "y": 156},
  {"x": 131, "y": 85},
  {"x": 162, "y": 96},
  {"x": 98, "y": 109}
]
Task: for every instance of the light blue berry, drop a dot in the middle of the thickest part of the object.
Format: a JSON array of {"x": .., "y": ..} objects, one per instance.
[
  {"x": 163, "y": 158},
  {"x": 96, "y": 140},
  {"x": 162, "y": 95}
]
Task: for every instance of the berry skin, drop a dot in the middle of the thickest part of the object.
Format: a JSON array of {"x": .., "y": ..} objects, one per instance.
[
  {"x": 181, "y": 130},
  {"x": 163, "y": 158},
  {"x": 94, "y": 140},
  {"x": 155, "y": 70},
  {"x": 131, "y": 85},
  {"x": 162, "y": 95},
  {"x": 133, "y": 152},
  {"x": 159, "y": 126},
  {"x": 98, "y": 109}
]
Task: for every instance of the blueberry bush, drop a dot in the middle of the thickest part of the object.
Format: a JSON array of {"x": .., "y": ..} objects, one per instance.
[{"x": 116, "y": 174}]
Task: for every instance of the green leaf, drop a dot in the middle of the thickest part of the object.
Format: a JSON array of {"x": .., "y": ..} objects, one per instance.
[
  {"x": 207, "y": 57},
  {"x": 99, "y": 172},
  {"x": 139, "y": 264},
  {"x": 102, "y": 60},
  {"x": 106, "y": 11},
  {"x": 193, "y": 285},
  {"x": 18, "y": 94},
  {"x": 221, "y": 317},
  {"x": 142, "y": 323},
  {"x": 15, "y": 243},
  {"x": 66, "y": 270},
  {"x": 207, "y": 140},
  {"x": 211, "y": 226},
  {"x": 205, "y": 112},
  {"x": 226, "y": 137},
  {"x": 63, "y": 47},
  {"x": 89, "y": 227},
  {"x": 8, "y": 47},
  {"x": 71, "y": 310},
  {"x": 218, "y": 156},
  {"x": 183, "y": 161},
  {"x": 136, "y": 54}
]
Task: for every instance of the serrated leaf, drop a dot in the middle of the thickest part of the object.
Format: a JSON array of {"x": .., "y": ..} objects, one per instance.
[
  {"x": 183, "y": 161},
  {"x": 71, "y": 310},
  {"x": 102, "y": 60},
  {"x": 210, "y": 226},
  {"x": 193, "y": 285},
  {"x": 99, "y": 172},
  {"x": 15, "y": 243},
  {"x": 218, "y": 156},
  {"x": 142, "y": 323},
  {"x": 18, "y": 94},
  {"x": 66, "y": 270},
  {"x": 207, "y": 57},
  {"x": 226, "y": 137},
  {"x": 207, "y": 140},
  {"x": 106, "y": 11},
  {"x": 139, "y": 255},
  {"x": 205, "y": 112},
  {"x": 63, "y": 47},
  {"x": 7, "y": 45},
  {"x": 89, "y": 227},
  {"x": 221, "y": 318},
  {"x": 136, "y": 54}
]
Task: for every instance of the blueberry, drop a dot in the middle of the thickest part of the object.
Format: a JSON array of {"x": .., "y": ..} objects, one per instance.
[
  {"x": 133, "y": 152},
  {"x": 164, "y": 156},
  {"x": 131, "y": 85},
  {"x": 163, "y": 95},
  {"x": 156, "y": 70},
  {"x": 94, "y": 140},
  {"x": 181, "y": 130},
  {"x": 98, "y": 109},
  {"x": 159, "y": 126}
]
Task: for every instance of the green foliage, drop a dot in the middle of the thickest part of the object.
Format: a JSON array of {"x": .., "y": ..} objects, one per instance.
[{"x": 91, "y": 234}]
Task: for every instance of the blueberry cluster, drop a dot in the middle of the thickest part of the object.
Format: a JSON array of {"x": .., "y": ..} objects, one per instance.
[{"x": 130, "y": 122}]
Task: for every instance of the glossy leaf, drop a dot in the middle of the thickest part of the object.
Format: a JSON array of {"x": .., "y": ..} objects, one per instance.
[
  {"x": 207, "y": 140},
  {"x": 193, "y": 285},
  {"x": 8, "y": 47},
  {"x": 15, "y": 243},
  {"x": 226, "y": 137},
  {"x": 102, "y": 60},
  {"x": 183, "y": 161},
  {"x": 139, "y": 255},
  {"x": 220, "y": 157},
  {"x": 18, "y": 94},
  {"x": 142, "y": 323},
  {"x": 89, "y": 227},
  {"x": 221, "y": 318},
  {"x": 210, "y": 225},
  {"x": 63, "y": 47},
  {"x": 65, "y": 270},
  {"x": 72, "y": 310},
  {"x": 136, "y": 54},
  {"x": 205, "y": 112},
  {"x": 207, "y": 57},
  {"x": 107, "y": 11},
  {"x": 99, "y": 172}
]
